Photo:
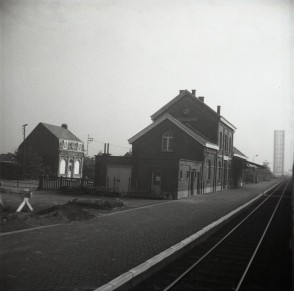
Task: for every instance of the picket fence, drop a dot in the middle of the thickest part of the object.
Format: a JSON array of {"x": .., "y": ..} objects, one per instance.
[{"x": 62, "y": 182}]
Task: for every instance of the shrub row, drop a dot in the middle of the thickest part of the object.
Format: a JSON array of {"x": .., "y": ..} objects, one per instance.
[{"x": 101, "y": 203}]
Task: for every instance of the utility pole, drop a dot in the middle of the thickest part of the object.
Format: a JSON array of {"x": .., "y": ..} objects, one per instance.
[
  {"x": 254, "y": 157},
  {"x": 24, "y": 151},
  {"x": 90, "y": 139}
]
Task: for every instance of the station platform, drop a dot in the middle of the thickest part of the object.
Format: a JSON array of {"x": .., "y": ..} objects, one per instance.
[{"x": 98, "y": 254}]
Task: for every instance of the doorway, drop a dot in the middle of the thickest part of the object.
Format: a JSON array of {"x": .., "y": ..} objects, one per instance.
[
  {"x": 225, "y": 175},
  {"x": 118, "y": 178},
  {"x": 198, "y": 182},
  {"x": 156, "y": 182},
  {"x": 193, "y": 182}
]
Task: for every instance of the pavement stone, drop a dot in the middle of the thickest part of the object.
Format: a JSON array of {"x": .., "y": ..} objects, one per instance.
[{"x": 86, "y": 255}]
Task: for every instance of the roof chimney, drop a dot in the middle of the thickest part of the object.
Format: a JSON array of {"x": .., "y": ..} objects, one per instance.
[
  {"x": 201, "y": 98},
  {"x": 218, "y": 110},
  {"x": 64, "y": 125},
  {"x": 194, "y": 92}
]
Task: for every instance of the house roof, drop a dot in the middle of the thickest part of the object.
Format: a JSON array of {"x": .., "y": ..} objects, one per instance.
[
  {"x": 195, "y": 99},
  {"x": 239, "y": 154},
  {"x": 228, "y": 123},
  {"x": 7, "y": 158},
  {"x": 60, "y": 132},
  {"x": 203, "y": 141}
]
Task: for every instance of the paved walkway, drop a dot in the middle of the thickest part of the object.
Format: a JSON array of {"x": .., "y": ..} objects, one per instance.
[{"x": 86, "y": 255}]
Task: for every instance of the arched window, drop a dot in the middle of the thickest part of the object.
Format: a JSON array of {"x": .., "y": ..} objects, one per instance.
[
  {"x": 167, "y": 141},
  {"x": 219, "y": 170},
  {"x": 230, "y": 144},
  {"x": 77, "y": 167},
  {"x": 62, "y": 167},
  {"x": 209, "y": 169}
]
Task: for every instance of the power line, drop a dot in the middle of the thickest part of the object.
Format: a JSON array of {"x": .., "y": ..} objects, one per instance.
[{"x": 118, "y": 146}]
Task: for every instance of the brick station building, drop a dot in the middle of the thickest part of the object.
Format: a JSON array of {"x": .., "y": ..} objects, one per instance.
[{"x": 186, "y": 150}]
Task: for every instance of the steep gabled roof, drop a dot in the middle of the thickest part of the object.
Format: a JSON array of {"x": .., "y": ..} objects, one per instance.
[
  {"x": 187, "y": 124},
  {"x": 239, "y": 154},
  {"x": 228, "y": 123},
  {"x": 60, "y": 132},
  {"x": 195, "y": 99},
  {"x": 177, "y": 98},
  {"x": 180, "y": 125}
]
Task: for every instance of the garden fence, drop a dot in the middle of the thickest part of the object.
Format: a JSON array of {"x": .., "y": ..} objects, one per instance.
[{"x": 62, "y": 182}]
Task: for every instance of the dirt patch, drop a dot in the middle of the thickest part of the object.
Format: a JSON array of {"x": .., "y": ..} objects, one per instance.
[
  {"x": 66, "y": 212},
  {"x": 11, "y": 220},
  {"x": 73, "y": 210}
]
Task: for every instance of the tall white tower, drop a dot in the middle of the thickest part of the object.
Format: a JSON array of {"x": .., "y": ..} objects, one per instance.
[{"x": 279, "y": 148}]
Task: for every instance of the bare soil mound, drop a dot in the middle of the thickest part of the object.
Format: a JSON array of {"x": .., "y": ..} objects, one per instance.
[
  {"x": 66, "y": 212},
  {"x": 11, "y": 220}
]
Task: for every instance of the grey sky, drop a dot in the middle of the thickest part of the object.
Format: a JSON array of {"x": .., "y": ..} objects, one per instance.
[{"x": 103, "y": 67}]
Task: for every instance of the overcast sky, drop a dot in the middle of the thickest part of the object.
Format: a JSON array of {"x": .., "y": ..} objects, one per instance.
[{"x": 103, "y": 67}]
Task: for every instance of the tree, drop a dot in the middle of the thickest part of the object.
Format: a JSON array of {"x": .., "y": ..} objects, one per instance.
[
  {"x": 9, "y": 168},
  {"x": 33, "y": 163},
  {"x": 89, "y": 167}
]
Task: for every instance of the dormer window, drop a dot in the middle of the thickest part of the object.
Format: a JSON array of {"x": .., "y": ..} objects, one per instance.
[
  {"x": 65, "y": 144},
  {"x": 167, "y": 141}
]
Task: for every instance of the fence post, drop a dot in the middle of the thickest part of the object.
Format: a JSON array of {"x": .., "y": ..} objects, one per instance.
[{"x": 60, "y": 182}]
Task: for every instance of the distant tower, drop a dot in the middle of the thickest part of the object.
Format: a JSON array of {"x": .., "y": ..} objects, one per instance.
[{"x": 279, "y": 147}]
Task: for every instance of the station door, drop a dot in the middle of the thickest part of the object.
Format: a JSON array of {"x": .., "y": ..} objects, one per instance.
[{"x": 119, "y": 178}]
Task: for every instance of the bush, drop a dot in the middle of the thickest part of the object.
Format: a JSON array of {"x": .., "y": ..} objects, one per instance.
[
  {"x": 101, "y": 203},
  {"x": 108, "y": 194}
]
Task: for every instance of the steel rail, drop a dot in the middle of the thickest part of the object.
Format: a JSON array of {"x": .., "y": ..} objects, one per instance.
[
  {"x": 218, "y": 243},
  {"x": 260, "y": 241}
]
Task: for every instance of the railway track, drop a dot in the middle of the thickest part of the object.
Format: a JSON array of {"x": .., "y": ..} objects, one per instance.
[{"x": 238, "y": 256}]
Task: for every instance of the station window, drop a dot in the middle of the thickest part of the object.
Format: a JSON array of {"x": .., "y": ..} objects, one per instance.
[
  {"x": 209, "y": 169},
  {"x": 226, "y": 142},
  {"x": 181, "y": 175},
  {"x": 188, "y": 175},
  {"x": 167, "y": 141},
  {"x": 220, "y": 140},
  {"x": 219, "y": 170}
]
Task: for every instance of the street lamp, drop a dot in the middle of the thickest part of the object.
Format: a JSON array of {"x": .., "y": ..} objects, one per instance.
[
  {"x": 254, "y": 157},
  {"x": 24, "y": 150}
]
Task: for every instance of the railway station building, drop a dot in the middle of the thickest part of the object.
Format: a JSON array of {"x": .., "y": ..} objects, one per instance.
[{"x": 186, "y": 150}]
